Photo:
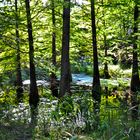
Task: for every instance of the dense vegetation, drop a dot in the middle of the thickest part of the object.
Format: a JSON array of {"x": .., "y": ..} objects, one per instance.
[{"x": 69, "y": 69}]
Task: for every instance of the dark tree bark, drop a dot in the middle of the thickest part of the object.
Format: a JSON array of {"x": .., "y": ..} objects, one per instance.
[
  {"x": 53, "y": 78},
  {"x": 34, "y": 97},
  {"x": 53, "y": 35},
  {"x": 106, "y": 73},
  {"x": 54, "y": 84},
  {"x": 135, "y": 82},
  {"x": 96, "y": 88},
  {"x": 65, "y": 64},
  {"x": 19, "y": 88}
]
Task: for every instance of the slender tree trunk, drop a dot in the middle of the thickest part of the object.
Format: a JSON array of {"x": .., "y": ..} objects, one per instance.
[
  {"x": 53, "y": 35},
  {"x": 34, "y": 97},
  {"x": 96, "y": 88},
  {"x": 106, "y": 73},
  {"x": 53, "y": 78},
  {"x": 135, "y": 82},
  {"x": 19, "y": 84},
  {"x": 65, "y": 64}
]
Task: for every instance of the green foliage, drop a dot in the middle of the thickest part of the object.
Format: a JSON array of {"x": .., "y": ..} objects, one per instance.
[
  {"x": 116, "y": 33},
  {"x": 72, "y": 117},
  {"x": 55, "y": 123}
]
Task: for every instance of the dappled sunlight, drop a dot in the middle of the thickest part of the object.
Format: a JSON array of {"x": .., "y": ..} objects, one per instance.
[{"x": 69, "y": 70}]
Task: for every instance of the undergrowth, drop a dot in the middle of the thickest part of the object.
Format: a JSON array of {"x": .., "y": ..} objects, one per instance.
[{"x": 71, "y": 118}]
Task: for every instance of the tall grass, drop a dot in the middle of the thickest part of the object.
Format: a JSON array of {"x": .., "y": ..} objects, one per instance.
[{"x": 71, "y": 119}]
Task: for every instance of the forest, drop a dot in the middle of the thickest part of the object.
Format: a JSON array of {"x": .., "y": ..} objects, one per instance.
[{"x": 69, "y": 69}]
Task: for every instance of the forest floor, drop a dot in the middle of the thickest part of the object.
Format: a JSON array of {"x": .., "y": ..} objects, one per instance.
[
  {"x": 54, "y": 124},
  {"x": 115, "y": 122},
  {"x": 15, "y": 131}
]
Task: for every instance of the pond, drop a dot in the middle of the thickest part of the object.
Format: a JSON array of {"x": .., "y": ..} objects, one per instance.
[{"x": 83, "y": 79}]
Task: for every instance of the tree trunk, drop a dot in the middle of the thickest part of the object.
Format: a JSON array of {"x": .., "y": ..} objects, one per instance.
[
  {"x": 19, "y": 88},
  {"x": 96, "y": 88},
  {"x": 106, "y": 73},
  {"x": 135, "y": 83},
  {"x": 34, "y": 97},
  {"x": 65, "y": 64},
  {"x": 53, "y": 36}
]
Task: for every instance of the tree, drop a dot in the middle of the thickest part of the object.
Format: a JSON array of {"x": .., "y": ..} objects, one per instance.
[
  {"x": 96, "y": 88},
  {"x": 135, "y": 82},
  {"x": 34, "y": 97},
  {"x": 106, "y": 73},
  {"x": 65, "y": 64},
  {"x": 19, "y": 85},
  {"x": 53, "y": 35}
]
